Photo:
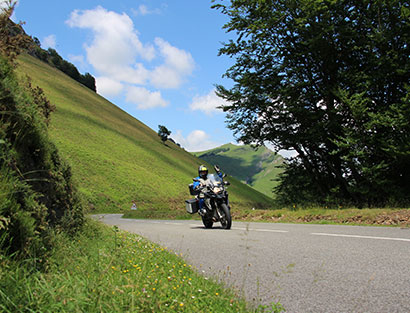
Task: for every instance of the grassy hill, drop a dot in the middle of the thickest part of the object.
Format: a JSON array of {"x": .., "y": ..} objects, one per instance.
[
  {"x": 257, "y": 168},
  {"x": 114, "y": 157}
]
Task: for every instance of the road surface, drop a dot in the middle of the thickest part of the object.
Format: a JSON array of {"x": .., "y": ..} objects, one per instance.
[{"x": 307, "y": 268}]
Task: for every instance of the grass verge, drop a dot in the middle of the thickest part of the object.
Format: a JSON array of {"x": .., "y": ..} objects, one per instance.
[
  {"x": 106, "y": 270},
  {"x": 343, "y": 216}
]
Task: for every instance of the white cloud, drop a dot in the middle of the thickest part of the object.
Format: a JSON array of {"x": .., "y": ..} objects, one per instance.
[
  {"x": 208, "y": 103},
  {"x": 4, "y": 5},
  {"x": 77, "y": 60},
  {"x": 288, "y": 153},
  {"x": 115, "y": 46},
  {"x": 197, "y": 140},
  {"x": 108, "y": 87},
  {"x": 283, "y": 153},
  {"x": 117, "y": 52},
  {"x": 177, "y": 64},
  {"x": 145, "y": 99},
  {"x": 49, "y": 42},
  {"x": 144, "y": 10}
]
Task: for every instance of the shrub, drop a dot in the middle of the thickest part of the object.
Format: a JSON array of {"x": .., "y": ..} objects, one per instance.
[{"x": 36, "y": 190}]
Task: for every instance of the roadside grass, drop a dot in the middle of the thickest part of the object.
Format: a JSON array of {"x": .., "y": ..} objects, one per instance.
[
  {"x": 104, "y": 269},
  {"x": 342, "y": 216}
]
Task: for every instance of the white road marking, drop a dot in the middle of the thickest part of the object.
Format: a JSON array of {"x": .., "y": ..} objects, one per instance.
[
  {"x": 249, "y": 229},
  {"x": 272, "y": 230},
  {"x": 260, "y": 229},
  {"x": 357, "y": 236}
]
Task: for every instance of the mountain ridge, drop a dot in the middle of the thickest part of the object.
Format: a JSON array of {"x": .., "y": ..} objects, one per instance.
[{"x": 257, "y": 167}]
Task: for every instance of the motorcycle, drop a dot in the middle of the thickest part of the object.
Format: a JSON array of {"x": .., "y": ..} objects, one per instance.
[{"x": 216, "y": 202}]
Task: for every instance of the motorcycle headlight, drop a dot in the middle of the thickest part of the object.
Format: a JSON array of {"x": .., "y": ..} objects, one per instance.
[{"x": 217, "y": 190}]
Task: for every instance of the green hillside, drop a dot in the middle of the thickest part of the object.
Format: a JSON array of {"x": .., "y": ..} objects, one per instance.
[
  {"x": 257, "y": 168},
  {"x": 114, "y": 157}
]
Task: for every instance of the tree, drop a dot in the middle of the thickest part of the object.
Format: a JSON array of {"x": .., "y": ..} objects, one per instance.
[
  {"x": 89, "y": 81},
  {"x": 330, "y": 80},
  {"x": 163, "y": 133}
]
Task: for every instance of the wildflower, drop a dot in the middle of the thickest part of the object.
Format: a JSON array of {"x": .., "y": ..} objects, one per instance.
[
  {"x": 153, "y": 289},
  {"x": 181, "y": 304},
  {"x": 216, "y": 294}
]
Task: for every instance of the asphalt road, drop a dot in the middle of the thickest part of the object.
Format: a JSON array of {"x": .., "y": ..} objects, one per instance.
[{"x": 307, "y": 268}]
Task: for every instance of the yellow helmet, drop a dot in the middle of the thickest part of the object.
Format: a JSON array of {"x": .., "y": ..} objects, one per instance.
[{"x": 203, "y": 171}]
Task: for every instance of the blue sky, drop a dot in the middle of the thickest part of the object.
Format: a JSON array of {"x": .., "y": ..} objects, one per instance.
[{"x": 155, "y": 59}]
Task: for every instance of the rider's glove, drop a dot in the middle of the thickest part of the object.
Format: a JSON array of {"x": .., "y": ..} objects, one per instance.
[{"x": 217, "y": 169}]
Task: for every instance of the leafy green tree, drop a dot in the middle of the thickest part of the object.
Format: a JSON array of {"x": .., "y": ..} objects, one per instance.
[
  {"x": 330, "y": 80},
  {"x": 163, "y": 133},
  {"x": 89, "y": 81}
]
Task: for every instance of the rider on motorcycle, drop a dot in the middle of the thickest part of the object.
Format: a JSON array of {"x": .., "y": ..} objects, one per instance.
[{"x": 200, "y": 181}]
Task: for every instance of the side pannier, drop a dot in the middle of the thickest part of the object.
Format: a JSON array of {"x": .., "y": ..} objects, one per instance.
[{"x": 192, "y": 205}]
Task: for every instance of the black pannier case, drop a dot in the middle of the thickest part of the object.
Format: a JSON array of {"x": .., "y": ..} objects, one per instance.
[{"x": 192, "y": 206}]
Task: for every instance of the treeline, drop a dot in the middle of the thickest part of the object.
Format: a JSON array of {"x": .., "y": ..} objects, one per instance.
[
  {"x": 37, "y": 195},
  {"x": 50, "y": 56},
  {"x": 53, "y": 58},
  {"x": 331, "y": 81}
]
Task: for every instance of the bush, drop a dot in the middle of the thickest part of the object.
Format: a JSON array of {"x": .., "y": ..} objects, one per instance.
[{"x": 36, "y": 190}]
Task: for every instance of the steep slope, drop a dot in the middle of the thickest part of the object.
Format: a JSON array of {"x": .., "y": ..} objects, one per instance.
[
  {"x": 115, "y": 158},
  {"x": 257, "y": 168}
]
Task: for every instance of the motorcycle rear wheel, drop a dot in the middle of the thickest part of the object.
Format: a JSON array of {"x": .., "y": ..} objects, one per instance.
[{"x": 226, "y": 219}]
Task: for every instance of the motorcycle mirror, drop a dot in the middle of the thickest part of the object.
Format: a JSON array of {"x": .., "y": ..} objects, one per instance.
[
  {"x": 224, "y": 175},
  {"x": 226, "y": 183}
]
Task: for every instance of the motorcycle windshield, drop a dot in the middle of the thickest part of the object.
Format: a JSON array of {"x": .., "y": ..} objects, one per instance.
[{"x": 214, "y": 179}]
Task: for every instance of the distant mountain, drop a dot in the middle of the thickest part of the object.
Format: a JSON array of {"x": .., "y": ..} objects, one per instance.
[{"x": 257, "y": 168}]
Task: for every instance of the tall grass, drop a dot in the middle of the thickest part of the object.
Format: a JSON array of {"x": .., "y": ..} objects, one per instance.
[{"x": 107, "y": 270}]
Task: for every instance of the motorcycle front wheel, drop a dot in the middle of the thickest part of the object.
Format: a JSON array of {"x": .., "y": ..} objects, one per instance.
[
  {"x": 207, "y": 222},
  {"x": 225, "y": 216}
]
